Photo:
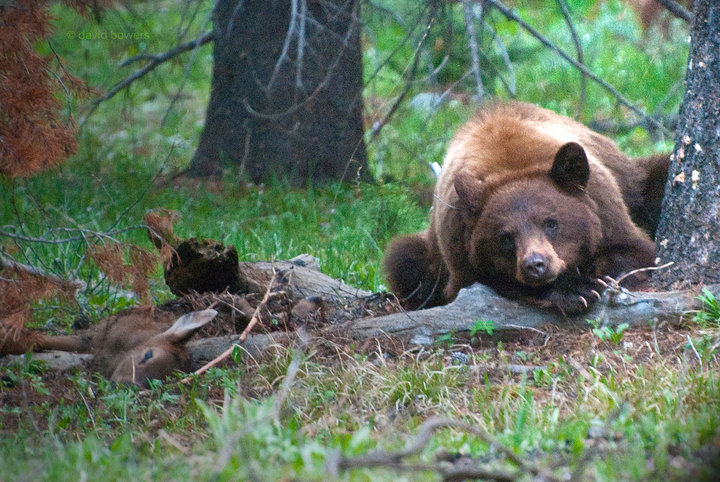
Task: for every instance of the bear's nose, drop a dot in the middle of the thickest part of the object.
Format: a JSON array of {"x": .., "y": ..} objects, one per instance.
[{"x": 535, "y": 267}]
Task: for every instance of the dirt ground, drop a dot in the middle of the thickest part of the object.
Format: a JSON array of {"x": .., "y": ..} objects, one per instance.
[{"x": 520, "y": 351}]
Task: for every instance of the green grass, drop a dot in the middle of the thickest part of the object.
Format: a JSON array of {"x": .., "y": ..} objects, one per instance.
[
  {"x": 648, "y": 419},
  {"x": 345, "y": 227},
  {"x": 634, "y": 411}
]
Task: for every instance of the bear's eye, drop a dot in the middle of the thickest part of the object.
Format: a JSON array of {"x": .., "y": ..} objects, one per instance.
[
  {"x": 507, "y": 244},
  {"x": 550, "y": 226}
]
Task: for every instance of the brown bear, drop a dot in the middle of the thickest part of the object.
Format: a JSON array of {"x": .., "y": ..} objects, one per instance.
[
  {"x": 534, "y": 205},
  {"x": 644, "y": 200}
]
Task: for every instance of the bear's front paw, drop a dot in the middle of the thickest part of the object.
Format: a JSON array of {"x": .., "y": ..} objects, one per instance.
[{"x": 573, "y": 300}]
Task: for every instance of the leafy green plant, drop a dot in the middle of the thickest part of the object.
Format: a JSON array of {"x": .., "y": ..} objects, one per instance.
[
  {"x": 606, "y": 333},
  {"x": 446, "y": 339},
  {"x": 710, "y": 314},
  {"x": 482, "y": 325},
  {"x": 29, "y": 370},
  {"x": 542, "y": 377}
]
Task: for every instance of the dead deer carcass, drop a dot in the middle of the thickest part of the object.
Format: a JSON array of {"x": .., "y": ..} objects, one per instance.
[{"x": 134, "y": 346}]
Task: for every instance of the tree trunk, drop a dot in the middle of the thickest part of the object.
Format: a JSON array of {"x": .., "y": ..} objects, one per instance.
[
  {"x": 689, "y": 229},
  {"x": 286, "y": 98}
]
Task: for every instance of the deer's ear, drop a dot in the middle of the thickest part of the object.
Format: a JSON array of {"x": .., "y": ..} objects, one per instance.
[
  {"x": 186, "y": 325},
  {"x": 469, "y": 190},
  {"x": 570, "y": 169}
]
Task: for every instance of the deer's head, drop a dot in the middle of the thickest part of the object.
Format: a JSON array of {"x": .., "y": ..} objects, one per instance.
[{"x": 162, "y": 354}]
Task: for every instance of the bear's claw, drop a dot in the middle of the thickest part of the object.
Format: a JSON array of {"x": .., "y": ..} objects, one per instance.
[
  {"x": 573, "y": 298},
  {"x": 611, "y": 282}
]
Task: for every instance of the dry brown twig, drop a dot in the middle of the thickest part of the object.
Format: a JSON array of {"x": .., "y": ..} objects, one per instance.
[
  {"x": 578, "y": 473},
  {"x": 243, "y": 336},
  {"x": 642, "y": 270},
  {"x": 425, "y": 432}
]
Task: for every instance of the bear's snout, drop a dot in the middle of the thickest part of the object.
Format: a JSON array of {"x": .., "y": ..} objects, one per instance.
[
  {"x": 540, "y": 266},
  {"x": 535, "y": 267}
]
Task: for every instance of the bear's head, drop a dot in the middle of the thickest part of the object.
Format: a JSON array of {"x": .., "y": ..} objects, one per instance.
[{"x": 531, "y": 226}]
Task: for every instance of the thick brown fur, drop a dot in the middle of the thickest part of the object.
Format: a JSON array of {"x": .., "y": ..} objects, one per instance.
[
  {"x": 652, "y": 13},
  {"x": 415, "y": 274},
  {"x": 533, "y": 204},
  {"x": 645, "y": 200}
]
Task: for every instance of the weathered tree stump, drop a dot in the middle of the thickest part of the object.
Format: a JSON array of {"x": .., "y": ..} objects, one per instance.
[{"x": 203, "y": 266}]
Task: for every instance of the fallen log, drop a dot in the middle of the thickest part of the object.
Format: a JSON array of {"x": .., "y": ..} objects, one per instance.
[
  {"x": 55, "y": 360},
  {"x": 302, "y": 273},
  {"x": 478, "y": 302}
]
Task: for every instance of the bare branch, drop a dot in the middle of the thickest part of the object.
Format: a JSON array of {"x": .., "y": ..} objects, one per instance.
[
  {"x": 256, "y": 316},
  {"x": 300, "y": 45},
  {"x": 676, "y": 9},
  {"x": 507, "y": 12},
  {"x": 472, "y": 38},
  {"x": 395, "y": 15},
  {"x": 174, "y": 52},
  {"x": 425, "y": 433},
  {"x": 186, "y": 19},
  {"x": 606, "y": 126},
  {"x": 400, "y": 45},
  {"x": 510, "y": 86},
  {"x": 578, "y": 48},
  {"x": 236, "y": 12},
  {"x": 286, "y": 44},
  {"x": 84, "y": 234},
  {"x": 298, "y": 105},
  {"x": 377, "y": 127},
  {"x": 155, "y": 60},
  {"x": 68, "y": 97},
  {"x": 243, "y": 336},
  {"x": 186, "y": 76}
]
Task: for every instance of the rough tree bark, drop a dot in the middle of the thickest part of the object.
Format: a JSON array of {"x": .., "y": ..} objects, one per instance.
[
  {"x": 689, "y": 229},
  {"x": 286, "y": 98}
]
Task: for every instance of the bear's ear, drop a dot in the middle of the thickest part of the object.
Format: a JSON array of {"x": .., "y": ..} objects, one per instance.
[
  {"x": 571, "y": 170},
  {"x": 469, "y": 190}
]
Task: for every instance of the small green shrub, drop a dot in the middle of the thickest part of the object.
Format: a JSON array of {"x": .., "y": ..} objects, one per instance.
[
  {"x": 482, "y": 325},
  {"x": 606, "y": 333},
  {"x": 710, "y": 314}
]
